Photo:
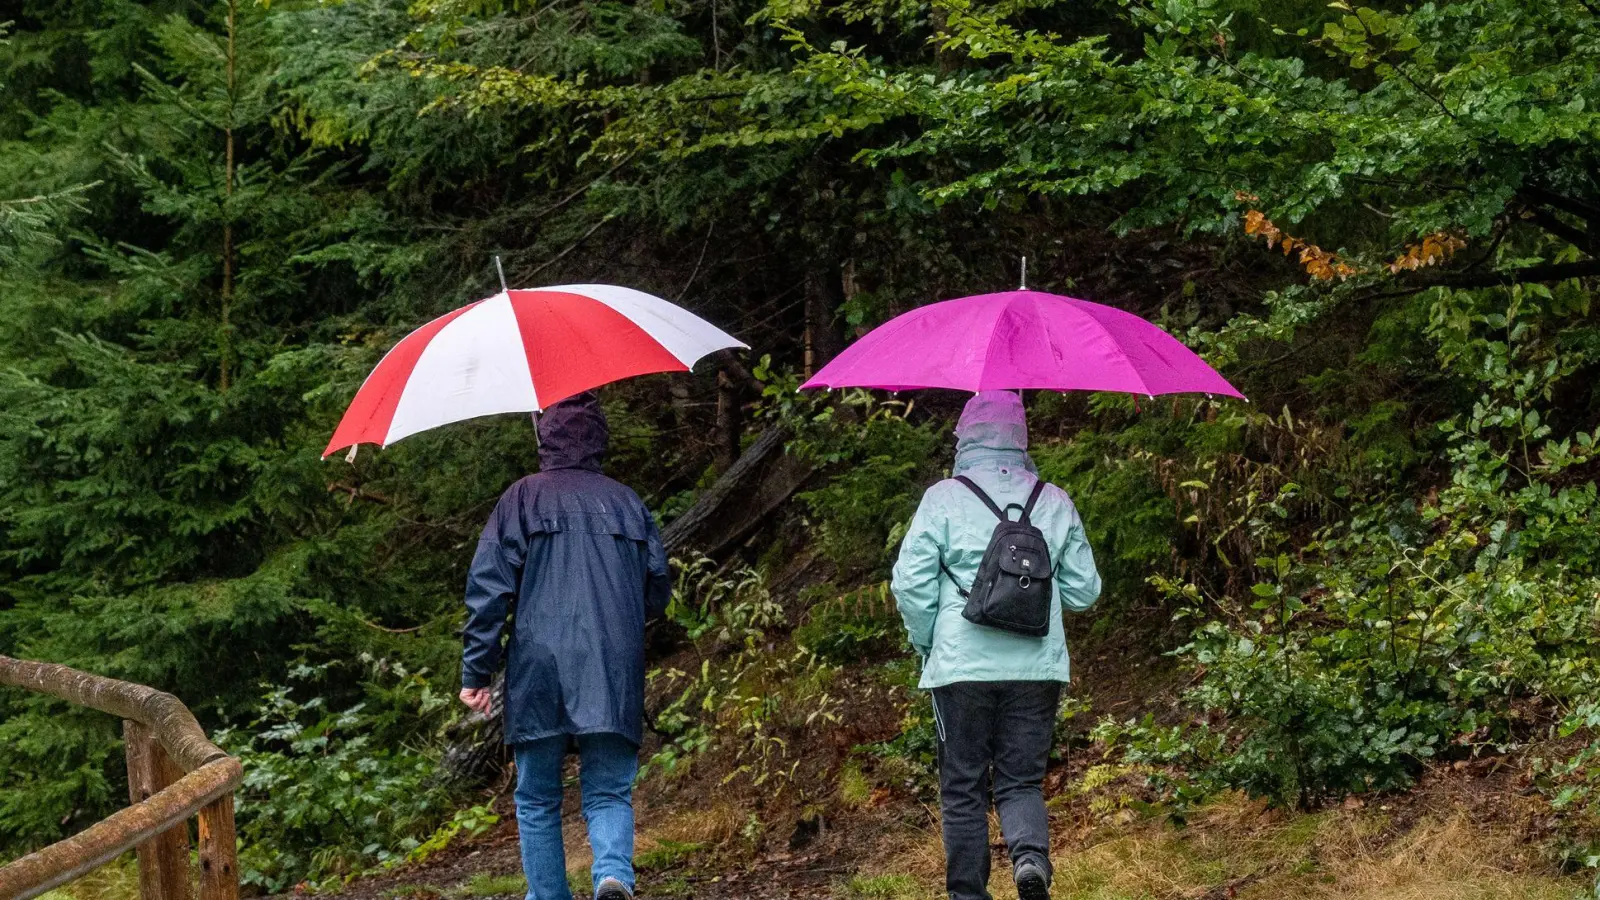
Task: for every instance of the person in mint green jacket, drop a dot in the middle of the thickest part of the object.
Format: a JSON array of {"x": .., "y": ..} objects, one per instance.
[{"x": 995, "y": 694}]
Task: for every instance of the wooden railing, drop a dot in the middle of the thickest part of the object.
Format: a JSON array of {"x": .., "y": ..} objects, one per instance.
[{"x": 174, "y": 773}]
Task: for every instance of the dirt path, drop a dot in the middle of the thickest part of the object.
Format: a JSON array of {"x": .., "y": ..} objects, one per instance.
[
  {"x": 1456, "y": 836},
  {"x": 490, "y": 868}
]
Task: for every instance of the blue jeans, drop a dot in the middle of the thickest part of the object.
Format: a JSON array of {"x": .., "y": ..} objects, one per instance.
[{"x": 607, "y": 766}]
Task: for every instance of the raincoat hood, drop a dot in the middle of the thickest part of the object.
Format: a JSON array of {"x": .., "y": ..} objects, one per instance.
[
  {"x": 573, "y": 434},
  {"x": 993, "y": 431}
]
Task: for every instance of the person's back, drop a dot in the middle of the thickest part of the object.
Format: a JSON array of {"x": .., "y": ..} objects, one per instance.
[
  {"x": 995, "y": 692},
  {"x": 576, "y": 561}
]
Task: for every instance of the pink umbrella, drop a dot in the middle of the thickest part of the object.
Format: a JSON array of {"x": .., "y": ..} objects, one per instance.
[
  {"x": 1021, "y": 340},
  {"x": 520, "y": 351}
]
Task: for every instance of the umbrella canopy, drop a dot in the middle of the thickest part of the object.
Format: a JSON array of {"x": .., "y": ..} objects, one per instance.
[
  {"x": 520, "y": 351},
  {"x": 1021, "y": 340}
]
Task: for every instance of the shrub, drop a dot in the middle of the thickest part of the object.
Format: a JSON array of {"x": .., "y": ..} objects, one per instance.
[
  {"x": 1407, "y": 629},
  {"x": 327, "y": 792},
  {"x": 853, "y": 626},
  {"x": 732, "y": 607}
]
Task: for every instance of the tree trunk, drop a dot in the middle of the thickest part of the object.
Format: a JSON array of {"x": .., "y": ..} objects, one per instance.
[
  {"x": 948, "y": 60},
  {"x": 681, "y": 401},
  {"x": 824, "y": 296},
  {"x": 727, "y": 421},
  {"x": 227, "y": 206}
]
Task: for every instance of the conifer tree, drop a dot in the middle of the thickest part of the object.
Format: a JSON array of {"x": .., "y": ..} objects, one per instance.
[
  {"x": 29, "y": 221},
  {"x": 147, "y": 505}
]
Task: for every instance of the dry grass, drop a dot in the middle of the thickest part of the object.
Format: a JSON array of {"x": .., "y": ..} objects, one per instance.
[
  {"x": 915, "y": 866},
  {"x": 116, "y": 880},
  {"x": 711, "y": 826},
  {"x": 1437, "y": 860},
  {"x": 1237, "y": 848}
]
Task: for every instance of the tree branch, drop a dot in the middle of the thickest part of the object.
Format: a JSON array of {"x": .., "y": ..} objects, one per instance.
[
  {"x": 1483, "y": 279},
  {"x": 696, "y": 273},
  {"x": 391, "y": 630},
  {"x": 357, "y": 493},
  {"x": 1533, "y": 194},
  {"x": 1439, "y": 101},
  {"x": 570, "y": 247},
  {"x": 1525, "y": 275},
  {"x": 1548, "y": 221},
  {"x": 559, "y": 204},
  {"x": 729, "y": 360}
]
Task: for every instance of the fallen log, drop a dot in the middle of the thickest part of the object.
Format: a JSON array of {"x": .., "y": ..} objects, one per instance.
[{"x": 737, "y": 504}]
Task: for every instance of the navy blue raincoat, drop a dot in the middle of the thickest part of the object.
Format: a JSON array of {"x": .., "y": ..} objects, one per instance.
[{"x": 576, "y": 561}]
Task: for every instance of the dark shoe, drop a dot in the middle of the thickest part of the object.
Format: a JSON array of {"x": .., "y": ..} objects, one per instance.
[
  {"x": 612, "y": 889},
  {"x": 1032, "y": 883}
]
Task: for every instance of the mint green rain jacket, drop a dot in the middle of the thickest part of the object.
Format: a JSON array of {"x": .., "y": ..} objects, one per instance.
[{"x": 953, "y": 524}]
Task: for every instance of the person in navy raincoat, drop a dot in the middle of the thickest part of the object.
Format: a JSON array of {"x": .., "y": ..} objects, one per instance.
[{"x": 574, "y": 561}]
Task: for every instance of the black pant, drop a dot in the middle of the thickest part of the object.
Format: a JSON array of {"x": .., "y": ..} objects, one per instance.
[{"x": 993, "y": 735}]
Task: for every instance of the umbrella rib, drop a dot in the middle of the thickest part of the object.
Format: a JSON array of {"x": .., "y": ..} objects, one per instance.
[
  {"x": 1121, "y": 356},
  {"x": 988, "y": 350}
]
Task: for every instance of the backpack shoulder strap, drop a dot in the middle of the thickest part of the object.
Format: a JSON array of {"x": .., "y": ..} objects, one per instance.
[
  {"x": 1027, "y": 511},
  {"x": 973, "y": 486},
  {"x": 946, "y": 570}
]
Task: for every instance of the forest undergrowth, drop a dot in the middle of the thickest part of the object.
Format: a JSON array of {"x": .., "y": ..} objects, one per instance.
[{"x": 854, "y": 822}]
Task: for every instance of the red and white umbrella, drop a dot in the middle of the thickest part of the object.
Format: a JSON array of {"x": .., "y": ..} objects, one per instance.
[{"x": 520, "y": 351}]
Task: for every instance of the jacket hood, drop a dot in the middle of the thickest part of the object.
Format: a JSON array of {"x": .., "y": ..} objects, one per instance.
[
  {"x": 573, "y": 434},
  {"x": 993, "y": 431}
]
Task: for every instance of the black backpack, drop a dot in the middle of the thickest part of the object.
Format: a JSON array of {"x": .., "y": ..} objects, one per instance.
[{"x": 1012, "y": 590}]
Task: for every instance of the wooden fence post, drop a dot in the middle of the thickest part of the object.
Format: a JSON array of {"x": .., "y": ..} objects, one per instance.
[
  {"x": 164, "y": 859},
  {"x": 175, "y": 774},
  {"x": 219, "y": 858}
]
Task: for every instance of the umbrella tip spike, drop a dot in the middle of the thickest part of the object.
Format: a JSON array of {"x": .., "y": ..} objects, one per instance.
[
  {"x": 501, "y": 271},
  {"x": 1024, "y": 284}
]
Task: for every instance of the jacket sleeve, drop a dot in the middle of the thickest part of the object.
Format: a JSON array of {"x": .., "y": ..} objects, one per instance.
[
  {"x": 491, "y": 586},
  {"x": 916, "y": 574},
  {"x": 658, "y": 577},
  {"x": 1077, "y": 579}
]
